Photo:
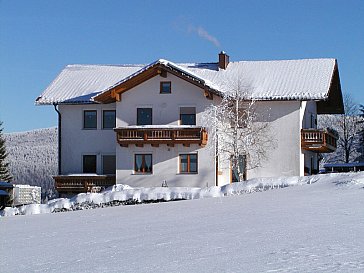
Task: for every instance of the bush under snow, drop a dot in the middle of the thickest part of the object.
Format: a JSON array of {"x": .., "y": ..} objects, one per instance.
[{"x": 124, "y": 195}]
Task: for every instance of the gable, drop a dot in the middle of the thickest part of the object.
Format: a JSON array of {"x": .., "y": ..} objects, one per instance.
[
  {"x": 161, "y": 68},
  {"x": 334, "y": 102}
]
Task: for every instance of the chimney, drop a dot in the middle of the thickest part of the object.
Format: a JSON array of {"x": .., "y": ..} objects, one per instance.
[{"x": 223, "y": 60}]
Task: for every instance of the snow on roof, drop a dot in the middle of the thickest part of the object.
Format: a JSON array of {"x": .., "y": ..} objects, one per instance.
[
  {"x": 306, "y": 79},
  {"x": 78, "y": 83}
]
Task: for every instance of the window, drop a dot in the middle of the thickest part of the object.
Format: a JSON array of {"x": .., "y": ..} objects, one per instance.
[
  {"x": 108, "y": 164},
  {"x": 90, "y": 119},
  {"x": 143, "y": 164},
  {"x": 187, "y": 116},
  {"x": 89, "y": 163},
  {"x": 108, "y": 119},
  {"x": 188, "y": 163},
  {"x": 144, "y": 116},
  {"x": 165, "y": 88},
  {"x": 313, "y": 121}
]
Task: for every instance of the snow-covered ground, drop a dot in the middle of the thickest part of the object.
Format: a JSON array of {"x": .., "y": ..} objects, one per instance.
[{"x": 315, "y": 227}]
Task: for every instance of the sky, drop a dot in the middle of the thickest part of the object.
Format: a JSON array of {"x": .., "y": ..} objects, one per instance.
[{"x": 38, "y": 38}]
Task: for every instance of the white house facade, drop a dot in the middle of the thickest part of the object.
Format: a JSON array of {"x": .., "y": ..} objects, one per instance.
[{"x": 142, "y": 125}]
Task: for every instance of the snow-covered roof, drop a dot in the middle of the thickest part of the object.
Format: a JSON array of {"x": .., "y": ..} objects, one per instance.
[
  {"x": 78, "y": 83},
  {"x": 306, "y": 79}
]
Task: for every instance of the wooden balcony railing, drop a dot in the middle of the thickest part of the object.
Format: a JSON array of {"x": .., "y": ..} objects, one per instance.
[
  {"x": 318, "y": 140},
  {"x": 140, "y": 135},
  {"x": 83, "y": 183}
]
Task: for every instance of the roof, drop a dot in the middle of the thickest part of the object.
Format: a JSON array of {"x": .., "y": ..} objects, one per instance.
[
  {"x": 341, "y": 165},
  {"x": 3, "y": 193},
  {"x": 5, "y": 185},
  {"x": 76, "y": 84},
  {"x": 306, "y": 79}
]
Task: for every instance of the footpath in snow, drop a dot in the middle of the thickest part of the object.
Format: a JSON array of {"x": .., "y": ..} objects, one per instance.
[{"x": 121, "y": 194}]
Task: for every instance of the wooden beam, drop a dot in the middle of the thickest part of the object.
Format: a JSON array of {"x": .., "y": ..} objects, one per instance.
[
  {"x": 208, "y": 95},
  {"x": 163, "y": 74}
]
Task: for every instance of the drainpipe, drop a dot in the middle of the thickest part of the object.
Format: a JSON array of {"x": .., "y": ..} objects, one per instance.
[{"x": 59, "y": 138}]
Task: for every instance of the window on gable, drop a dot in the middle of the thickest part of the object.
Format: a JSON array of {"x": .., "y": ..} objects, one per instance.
[
  {"x": 188, "y": 163},
  {"x": 90, "y": 119},
  {"x": 89, "y": 164},
  {"x": 108, "y": 164},
  {"x": 165, "y": 87},
  {"x": 188, "y": 116},
  {"x": 108, "y": 119},
  {"x": 144, "y": 116},
  {"x": 143, "y": 164}
]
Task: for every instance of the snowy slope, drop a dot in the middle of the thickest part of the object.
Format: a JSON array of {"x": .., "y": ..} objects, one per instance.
[
  {"x": 315, "y": 227},
  {"x": 33, "y": 157}
]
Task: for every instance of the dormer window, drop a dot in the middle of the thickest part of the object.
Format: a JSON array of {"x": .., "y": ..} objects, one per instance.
[{"x": 165, "y": 88}]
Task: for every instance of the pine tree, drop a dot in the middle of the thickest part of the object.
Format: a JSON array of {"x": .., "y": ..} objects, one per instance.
[{"x": 4, "y": 165}]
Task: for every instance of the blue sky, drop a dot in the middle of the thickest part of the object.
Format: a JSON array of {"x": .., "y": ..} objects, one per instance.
[{"x": 39, "y": 37}]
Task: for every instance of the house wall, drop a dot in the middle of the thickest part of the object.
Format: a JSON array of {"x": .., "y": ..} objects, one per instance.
[
  {"x": 77, "y": 141},
  {"x": 165, "y": 112},
  {"x": 284, "y": 155},
  {"x": 308, "y": 159},
  {"x": 285, "y": 158}
]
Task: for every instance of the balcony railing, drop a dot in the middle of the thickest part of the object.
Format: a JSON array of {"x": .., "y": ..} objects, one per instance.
[
  {"x": 318, "y": 140},
  {"x": 83, "y": 183},
  {"x": 156, "y": 135}
]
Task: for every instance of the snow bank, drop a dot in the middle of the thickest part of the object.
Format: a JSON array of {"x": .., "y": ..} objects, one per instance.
[{"x": 123, "y": 194}]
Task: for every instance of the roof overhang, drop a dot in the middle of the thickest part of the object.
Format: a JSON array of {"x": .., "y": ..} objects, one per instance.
[
  {"x": 161, "y": 68},
  {"x": 334, "y": 103}
]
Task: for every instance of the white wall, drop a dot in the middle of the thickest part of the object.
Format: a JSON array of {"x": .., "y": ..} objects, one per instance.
[
  {"x": 284, "y": 157},
  {"x": 77, "y": 141},
  {"x": 165, "y": 167},
  {"x": 165, "y": 112},
  {"x": 309, "y": 109},
  {"x": 309, "y": 120}
]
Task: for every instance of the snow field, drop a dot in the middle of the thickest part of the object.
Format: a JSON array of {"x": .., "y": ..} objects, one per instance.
[{"x": 308, "y": 228}]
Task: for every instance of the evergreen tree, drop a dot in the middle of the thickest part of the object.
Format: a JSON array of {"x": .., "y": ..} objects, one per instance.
[{"x": 4, "y": 165}]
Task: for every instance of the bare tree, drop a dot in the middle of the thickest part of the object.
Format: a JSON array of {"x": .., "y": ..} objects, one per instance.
[
  {"x": 238, "y": 133},
  {"x": 361, "y": 135},
  {"x": 347, "y": 126}
]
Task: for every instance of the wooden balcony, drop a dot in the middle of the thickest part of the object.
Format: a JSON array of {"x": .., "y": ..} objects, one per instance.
[
  {"x": 156, "y": 135},
  {"x": 318, "y": 140},
  {"x": 83, "y": 183}
]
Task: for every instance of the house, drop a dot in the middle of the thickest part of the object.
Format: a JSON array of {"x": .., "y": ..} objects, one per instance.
[{"x": 142, "y": 124}]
